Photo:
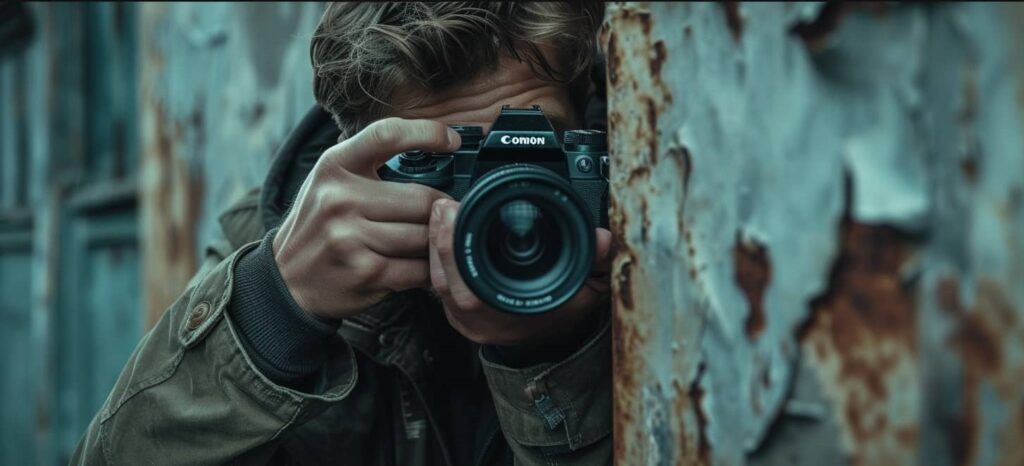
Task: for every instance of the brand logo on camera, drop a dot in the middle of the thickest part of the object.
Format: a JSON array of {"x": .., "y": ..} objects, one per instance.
[{"x": 533, "y": 140}]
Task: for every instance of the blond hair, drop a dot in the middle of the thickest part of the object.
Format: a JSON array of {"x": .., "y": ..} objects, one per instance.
[{"x": 363, "y": 52}]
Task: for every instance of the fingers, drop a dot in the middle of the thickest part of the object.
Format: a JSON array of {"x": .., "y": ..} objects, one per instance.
[
  {"x": 403, "y": 274},
  {"x": 446, "y": 279},
  {"x": 438, "y": 279},
  {"x": 408, "y": 240},
  {"x": 368, "y": 149},
  {"x": 402, "y": 202},
  {"x": 376, "y": 201}
]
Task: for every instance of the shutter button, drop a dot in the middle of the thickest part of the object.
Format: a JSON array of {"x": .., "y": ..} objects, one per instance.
[
  {"x": 532, "y": 391},
  {"x": 199, "y": 314}
]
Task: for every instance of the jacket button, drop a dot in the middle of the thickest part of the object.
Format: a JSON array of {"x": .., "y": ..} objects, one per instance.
[
  {"x": 531, "y": 391},
  {"x": 199, "y": 314}
]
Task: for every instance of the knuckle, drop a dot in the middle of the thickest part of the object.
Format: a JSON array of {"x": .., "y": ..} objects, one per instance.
[
  {"x": 341, "y": 242},
  {"x": 385, "y": 132},
  {"x": 441, "y": 287},
  {"x": 331, "y": 165},
  {"x": 337, "y": 202},
  {"x": 369, "y": 269},
  {"x": 467, "y": 303},
  {"x": 322, "y": 196},
  {"x": 426, "y": 194},
  {"x": 435, "y": 133},
  {"x": 443, "y": 242}
]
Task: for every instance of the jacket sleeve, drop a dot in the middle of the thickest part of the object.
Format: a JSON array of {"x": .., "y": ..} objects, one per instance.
[
  {"x": 190, "y": 394},
  {"x": 557, "y": 413}
]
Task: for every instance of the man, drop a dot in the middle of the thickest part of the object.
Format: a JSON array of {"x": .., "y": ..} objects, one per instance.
[{"x": 331, "y": 326}]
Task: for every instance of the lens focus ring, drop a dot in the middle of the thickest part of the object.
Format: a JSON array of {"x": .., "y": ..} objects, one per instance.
[{"x": 524, "y": 239}]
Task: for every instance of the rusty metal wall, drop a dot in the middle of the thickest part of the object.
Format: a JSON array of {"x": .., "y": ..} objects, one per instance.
[
  {"x": 221, "y": 85},
  {"x": 820, "y": 220},
  {"x": 124, "y": 130}
]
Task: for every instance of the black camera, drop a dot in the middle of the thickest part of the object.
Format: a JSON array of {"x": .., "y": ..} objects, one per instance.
[{"x": 524, "y": 235}]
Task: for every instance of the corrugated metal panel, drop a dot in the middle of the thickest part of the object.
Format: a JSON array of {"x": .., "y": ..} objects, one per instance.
[{"x": 820, "y": 233}]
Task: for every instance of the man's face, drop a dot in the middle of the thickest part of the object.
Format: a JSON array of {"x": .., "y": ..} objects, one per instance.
[{"x": 479, "y": 101}]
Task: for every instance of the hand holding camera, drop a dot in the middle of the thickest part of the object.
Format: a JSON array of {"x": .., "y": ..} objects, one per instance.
[
  {"x": 524, "y": 241},
  {"x": 350, "y": 239}
]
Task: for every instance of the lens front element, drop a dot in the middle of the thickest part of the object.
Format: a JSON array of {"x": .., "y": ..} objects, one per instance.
[
  {"x": 524, "y": 242},
  {"x": 524, "y": 230}
]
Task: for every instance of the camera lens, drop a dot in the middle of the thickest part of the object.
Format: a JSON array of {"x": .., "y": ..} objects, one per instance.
[
  {"x": 520, "y": 223},
  {"x": 524, "y": 240}
]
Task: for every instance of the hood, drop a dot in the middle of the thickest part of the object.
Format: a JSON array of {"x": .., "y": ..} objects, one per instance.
[{"x": 294, "y": 160}]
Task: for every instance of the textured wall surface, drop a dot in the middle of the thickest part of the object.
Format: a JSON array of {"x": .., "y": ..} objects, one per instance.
[
  {"x": 124, "y": 130},
  {"x": 222, "y": 84},
  {"x": 820, "y": 222}
]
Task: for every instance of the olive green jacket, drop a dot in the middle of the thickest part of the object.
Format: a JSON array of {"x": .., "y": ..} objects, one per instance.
[{"x": 190, "y": 394}]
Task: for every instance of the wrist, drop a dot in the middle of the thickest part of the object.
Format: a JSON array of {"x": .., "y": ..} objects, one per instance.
[{"x": 285, "y": 342}]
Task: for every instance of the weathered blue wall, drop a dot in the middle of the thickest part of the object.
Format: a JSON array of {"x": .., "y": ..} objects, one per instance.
[
  {"x": 819, "y": 211},
  {"x": 221, "y": 85},
  {"x": 124, "y": 130},
  {"x": 821, "y": 222}
]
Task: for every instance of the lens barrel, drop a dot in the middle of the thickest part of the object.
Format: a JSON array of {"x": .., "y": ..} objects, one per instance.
[{"x": 524, "y": 242}]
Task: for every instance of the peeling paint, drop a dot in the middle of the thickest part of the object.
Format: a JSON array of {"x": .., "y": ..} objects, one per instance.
[
  {"x": 862, "y": 337},
  {"x": 733, "y": 18},
  {"x": 753, "y": 274},
  {"x": 222, "y": 85},
  {"x": 789, "y": 183}
]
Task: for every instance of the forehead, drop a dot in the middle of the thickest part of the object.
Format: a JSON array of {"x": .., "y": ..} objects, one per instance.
[{"x": 478, "y": 101}]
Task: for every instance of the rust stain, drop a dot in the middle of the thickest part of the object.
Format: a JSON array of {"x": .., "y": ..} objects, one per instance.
[
  {"x": 695, "y": 395},
  {"x": 753, "y": 273},
  {"x": 614, "y": 60},
  {"x": 690, "y": 250},
  {"x": 653, "y": 132},
  {"x": 628, "y": 343},
  {"x": 645, "y": 220},
  {"x": 967, "y": 115},
  {"x": 969, "y": 167},
  {"x": 173, "y": 197},
  {"x": 637, "y": 174},
  {"x": 659, "y": 58},
  {"x": 862, "y": 334},
  {"x": 815, "y": 33},
  {"x": 983, "y": 334},
  {"x": 733, "y": 19},
  {"x": 969, "y": 109},
  {"x": 625, "y": 289},
  {"x": 625, "y": 383},
  {"x": 685, "y": 160},
  {"x": 694, "y": 447},
  {"x": 635, "y": 63}
]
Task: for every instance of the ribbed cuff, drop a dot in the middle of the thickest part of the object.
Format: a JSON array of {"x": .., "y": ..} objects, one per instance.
[{"x": 286, "y": 343}]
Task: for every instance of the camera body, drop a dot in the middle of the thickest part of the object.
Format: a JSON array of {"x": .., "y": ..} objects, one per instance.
[
  {"x": 524, "y": 235},
  {"x": 517, "y": 136}
]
